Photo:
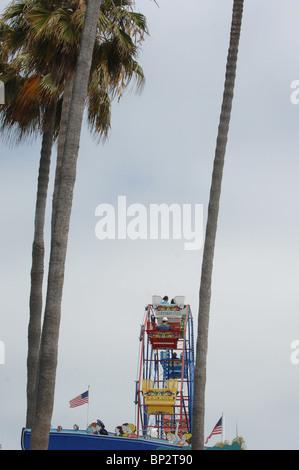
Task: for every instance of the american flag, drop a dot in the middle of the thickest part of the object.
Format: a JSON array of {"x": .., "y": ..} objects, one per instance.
[
  {"x": 79, "y": 400},
  {"x": 217, "y": 430}
]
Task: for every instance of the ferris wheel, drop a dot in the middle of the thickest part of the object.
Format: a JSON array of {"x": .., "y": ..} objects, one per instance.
[{"x": 164, "y": 386}]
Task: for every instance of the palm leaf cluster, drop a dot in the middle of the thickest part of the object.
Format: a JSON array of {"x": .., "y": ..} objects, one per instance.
[{"x": 39, "y": 47}]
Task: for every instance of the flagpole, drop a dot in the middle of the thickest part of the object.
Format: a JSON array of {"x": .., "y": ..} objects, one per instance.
[
  {"x": 223, "y": 425},
  {"x": 88, "y": 406}
]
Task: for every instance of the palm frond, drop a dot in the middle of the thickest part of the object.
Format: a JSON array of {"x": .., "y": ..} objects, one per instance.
[
  {"x": 99, "y": 114},
  {"x": 40, "y": 41}
]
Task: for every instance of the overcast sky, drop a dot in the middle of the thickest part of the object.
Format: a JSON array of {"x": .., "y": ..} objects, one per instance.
[{"x": 161, "y": 150}]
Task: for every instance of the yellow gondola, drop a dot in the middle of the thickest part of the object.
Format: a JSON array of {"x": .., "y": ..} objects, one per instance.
[{"x": 160, "y": 400}]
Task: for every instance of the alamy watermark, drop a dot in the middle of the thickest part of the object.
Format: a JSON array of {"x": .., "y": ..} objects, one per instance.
[
  {"x": 2, "y": 353},
  {"x": 2, "y": 93},
  {"x": 156, "y": 222},
  {"x": 294, "y": 358},
  {"x": 295, "y": 94}
]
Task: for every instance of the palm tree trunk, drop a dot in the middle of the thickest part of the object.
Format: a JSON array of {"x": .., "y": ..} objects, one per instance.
[
  {"x": 50, "y": 332},
  {"x": 38, "y": 250},
  {"x": 65, "y": 111},
  {"x": 37, "y": 269},
  {"x": 211, "y": 229}
]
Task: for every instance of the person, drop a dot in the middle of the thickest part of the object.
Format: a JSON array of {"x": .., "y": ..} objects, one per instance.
[
  {"x": 128, "y": 430},
  {"x": 102, "y": 429},
  {"x": 184, "y": 440},
  {"x": 93, "y": 428},
  {"x": 118, "y": 431},
  {"x": 164, "y": 325},
  {"x": 131, "y": 430},
  {"x": 165, "y": 300},
  {"x": 124, "y": 429}
]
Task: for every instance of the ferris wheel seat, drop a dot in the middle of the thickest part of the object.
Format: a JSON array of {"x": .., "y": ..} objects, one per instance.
[
  {"x": 174, "y": 313},
  {"x": 172, "y": 367},
  {"x": 163, "y": 339},
  {"x": 178, "y": 300},
  {"x": 156, "y": 300},
  {"x": 160, "y": 400}
]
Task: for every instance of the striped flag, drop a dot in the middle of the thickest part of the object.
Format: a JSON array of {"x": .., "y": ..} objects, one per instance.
[
  {"x": 79, "y": 400},
  {"x": 217, "y": 430}
]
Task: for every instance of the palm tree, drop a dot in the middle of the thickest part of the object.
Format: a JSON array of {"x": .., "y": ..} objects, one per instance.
[
  {"x": 38, "y": 252},
  {"x": 30, "y": 30},
  {"x": 50, "y": 331},
  {"x": 211, "y": 229}
]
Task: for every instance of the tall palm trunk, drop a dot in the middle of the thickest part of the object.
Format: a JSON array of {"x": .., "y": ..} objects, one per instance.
[
  {"x": 211, "y": 229},
  {"x": 65, "y": 111},
  {"x": 37, "y": 269},
  {"x": 50, "y": 332},
  {"x": 38, "y": 249}
]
